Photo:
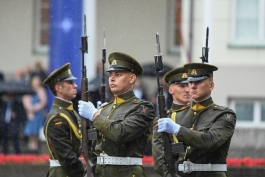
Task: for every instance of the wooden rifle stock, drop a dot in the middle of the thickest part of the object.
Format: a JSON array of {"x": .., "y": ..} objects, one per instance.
[{"x": 85, "y": 124}]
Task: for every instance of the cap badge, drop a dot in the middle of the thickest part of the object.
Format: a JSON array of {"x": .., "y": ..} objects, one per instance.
[
  {"x": 184, "y": 75},
  {"x": 193, "y": 72},
  {"x": 114, "y": 62}
]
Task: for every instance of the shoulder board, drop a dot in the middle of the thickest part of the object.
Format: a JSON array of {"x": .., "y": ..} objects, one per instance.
[
  {"x": 137, "y": 101},
  {"x": 217, "y": 107},
  {"x": 57, "y": 110},
  {"x": 103, "y": 106}
]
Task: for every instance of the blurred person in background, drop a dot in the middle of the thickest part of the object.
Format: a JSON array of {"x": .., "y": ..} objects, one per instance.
[
  {"x": 39, "y": 71},
  {"x": 11, "y": 116},
  {"x": 19, "y": 77},
  {"x": 2, "y": 78},
  {"x": 139, "y": 90},
  {"x": 27, "y": 75},
  {"x": 35, "y": 106}
]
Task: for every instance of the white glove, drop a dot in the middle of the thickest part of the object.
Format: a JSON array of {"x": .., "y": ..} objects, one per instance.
[
  {"x": 168, "y": 125},
  {"x": 86, "y": 109}
]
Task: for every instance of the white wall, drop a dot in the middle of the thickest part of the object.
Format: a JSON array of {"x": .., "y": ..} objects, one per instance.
[
  {"x": 16, "y": 21},
  {"x": 131, "y": 27}
]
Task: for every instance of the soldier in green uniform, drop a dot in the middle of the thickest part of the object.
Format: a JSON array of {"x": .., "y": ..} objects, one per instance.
[
  {"x": 124, "y": 124},
  {"x": 179, "y": 89},
  {"x": 61, "y": 128},
  {"x": 210, "y": 127}
]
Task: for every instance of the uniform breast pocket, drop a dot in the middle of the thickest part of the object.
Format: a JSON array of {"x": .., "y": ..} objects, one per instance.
[{"x": 205, "y": 126}]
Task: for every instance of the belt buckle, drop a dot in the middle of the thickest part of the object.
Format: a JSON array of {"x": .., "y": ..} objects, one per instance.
[
  {"x": 102, "y": 161},
  {"x": 186, "y": 167}
]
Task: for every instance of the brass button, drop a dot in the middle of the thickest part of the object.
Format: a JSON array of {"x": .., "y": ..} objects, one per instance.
[
  {"x": 103, "y": 152},
  {"x": 188, "y": 147},
  {"x": 107, "y": 116},
  {"x": 113, "y": 106},
  {"x": 60, "y": 107},
  {"x": 104, "y": 140},
  {"x": 195, "y": 113}
]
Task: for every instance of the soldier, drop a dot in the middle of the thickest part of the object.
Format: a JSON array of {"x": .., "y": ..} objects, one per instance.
[
  {"x": 61, "y": 128},
  {"x": 211, "y": 127},
  {"x": 179, "y": 89},
  {"x": 124, "y": 124}
]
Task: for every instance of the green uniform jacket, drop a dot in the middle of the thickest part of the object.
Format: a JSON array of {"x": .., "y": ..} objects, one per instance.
[
  {"x": 124, "y": 127},
  {"x": 208, "y": 137},
  {"x": 157, "y": 146},
  {"x": 63, "y": 140}
]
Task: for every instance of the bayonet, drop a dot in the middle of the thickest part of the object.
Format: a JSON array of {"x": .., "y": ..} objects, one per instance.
[
  {"x": 205, "y": 49},
  {"x": 103, "y": 84}
]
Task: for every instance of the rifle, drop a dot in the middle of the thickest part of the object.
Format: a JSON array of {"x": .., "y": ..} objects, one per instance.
[
  {"x": 88, "y": 133},
  {"x": 169, "y": 148},
  {"x": 205, "y": 49},
  {"x": 103, "y": 84}
]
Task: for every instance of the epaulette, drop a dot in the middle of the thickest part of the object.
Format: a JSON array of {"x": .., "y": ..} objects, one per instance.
[
  {"x": 104, "y": 105},
  {"x": 137, "y": 101},
  {"x": 217, "y": 107}
]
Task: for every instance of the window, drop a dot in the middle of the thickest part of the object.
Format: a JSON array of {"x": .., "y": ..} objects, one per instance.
[
  {"x": 41, "y": 26},
  {"x": 248, "y": 23},
  {"x": 250, "y": 112},
  {"x": 174, "y": 25}
]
